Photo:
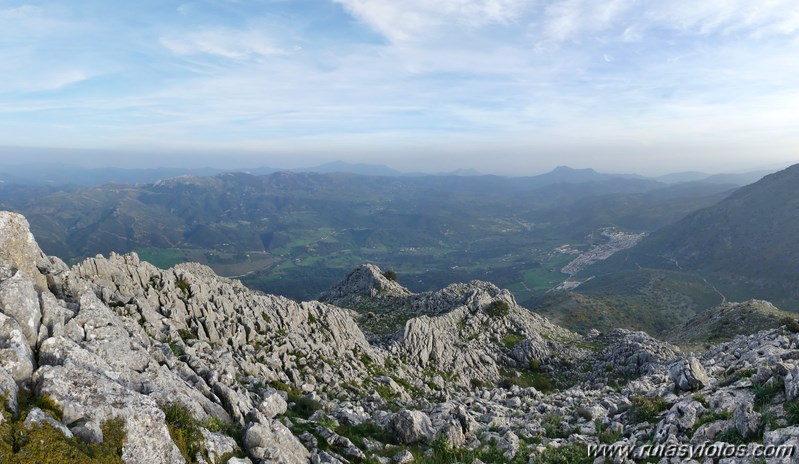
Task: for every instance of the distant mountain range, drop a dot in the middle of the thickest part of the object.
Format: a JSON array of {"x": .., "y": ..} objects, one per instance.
[
  {"x": 58, "y": 175},
  {"x": 294, "y": 233}
]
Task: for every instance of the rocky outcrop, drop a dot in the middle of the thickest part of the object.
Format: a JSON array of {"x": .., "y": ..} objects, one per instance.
[
  {"x": 19, "y": 250},
  {"x": 727, "y": 320},
  {"x": 363, "y": 284},
  {"x": 184, "y": 356},
  {"x": 18, "y": 299}
]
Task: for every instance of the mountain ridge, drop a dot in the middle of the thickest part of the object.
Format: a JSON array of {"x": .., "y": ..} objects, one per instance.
[
  {"x": 744, "y": 244},
  {"x": 119, "y": 361}
]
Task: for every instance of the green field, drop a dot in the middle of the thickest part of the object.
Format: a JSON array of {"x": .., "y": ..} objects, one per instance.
[{"x": 163, "y": 258}]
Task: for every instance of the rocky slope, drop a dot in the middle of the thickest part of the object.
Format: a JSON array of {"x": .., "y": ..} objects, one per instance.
[
  {"x": 725, "y": 321},
  {"x": 115, "y": 360}
]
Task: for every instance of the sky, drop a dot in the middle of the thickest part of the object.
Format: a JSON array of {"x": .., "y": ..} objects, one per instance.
[{"x": 501, "y": 86}]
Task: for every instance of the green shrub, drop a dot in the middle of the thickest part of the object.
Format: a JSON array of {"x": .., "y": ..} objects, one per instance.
[
  {"x": 792, "y": 409},
  {"x": 303, "y": 406},
  {"x": 526, "y": 379},
  {"x": 732, "y": 436},
  {"x": 367, "y": 429},
  {"x": 570, "y": 454},
  {"x": 282, "y": 386},
  {"x": 390, "y": 275},
  {"x": 184, "y": 430},
  {"x": 791, "y": 324},
  {"x": 187, "y": 335},
  {"x": 510, "y": 339},
  {"x": 498, "y": 308},
  {"x": 605, "y": 434},
  {"x": 647, "y": 409},
  {"x": 176, "y": 349},
  {"x": 766, "y": 392},
  {"x": 712, "y": 416},
  {"x": 701, "y": 399},
  {"x": 44, "y": 402},
  {"x": 184, "y": 286},
  {"x": 231, "y": 429},
  {"x": 552, "y": 426}
]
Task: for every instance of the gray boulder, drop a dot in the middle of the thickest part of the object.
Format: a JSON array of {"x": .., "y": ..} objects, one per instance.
[
  {"x": 688, "y": 374},
  {"x": 9, "y": 390},
  {"x": 16, "y": 357},
  {"x": 37, "y": 417},
  {"x": 272, "y": 404},
  {"x": 274, "y": 443},
  {"x": 19, "y": 300},
  {"x": 792, "y": 385},
  {"x": 746, "y": 420},
  {"x": 218, "y": 445},
  {"x": 788, "y": 436},
  {"x": 411, "y": 427}
]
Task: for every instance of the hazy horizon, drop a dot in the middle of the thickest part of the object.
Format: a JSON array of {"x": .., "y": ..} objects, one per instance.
[
  {"x": 500, "y": 86},
  {"x": 54, "y": 159}
]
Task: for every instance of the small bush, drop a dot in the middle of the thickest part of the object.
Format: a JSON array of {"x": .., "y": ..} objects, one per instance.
[
  {"x": 282, "y": 386},
  {"x": 712, "y": 416},
  {"x": 552, "y": 426},
  {"x": 303, "y": 406},
  {"x": 732, "y": 436},
  {"x": 390, "y": 275},
  {"x": 647, "y": 409},
  {"x": 370, "y": 430},
  {"x": 511, "y": 339},
  {"x": 184, "y": 286},
  {"x": 791, "y": 324},
  {"x": 214, "y": 424},
  {"x": 176, "y": 349},
  {"x": 526, "y": 379},
  {"x": 793, "y": 412},
  {"x": 766, "y": 392},
  {"x": 605, "y": 434},
  {"x": 498, "y": 308},
  {"x": 701, "y": 399},
  {"x": 187, "y": 335},
  {"x": 570, "y": 454},
  {"x": 45, "y": 403},
  {"x": 184, "y": 430}
]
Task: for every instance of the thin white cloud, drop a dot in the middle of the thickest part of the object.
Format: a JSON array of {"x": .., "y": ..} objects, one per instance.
[
  {"x": 54, "y": 80},
  {"x": 575, "y": 78},
  {"x": 406, "y": 20},
  {"x": 225, "y": 43},
  {"x": 573, "y": 20}
]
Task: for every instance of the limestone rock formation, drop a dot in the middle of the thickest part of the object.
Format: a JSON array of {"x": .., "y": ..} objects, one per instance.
[
  {"x": 198, "y": 368},
  {"x": 688, "y": 374}
]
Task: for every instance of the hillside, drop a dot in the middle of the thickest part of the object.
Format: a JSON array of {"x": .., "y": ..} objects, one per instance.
[
  {"x": 745, "y": 246},
  {"x": 295, "y": 234},
  {"x": 114, "y": 360},
  {"x": 728, "y": 320}
]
